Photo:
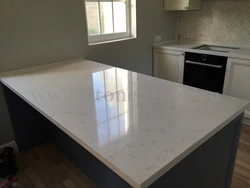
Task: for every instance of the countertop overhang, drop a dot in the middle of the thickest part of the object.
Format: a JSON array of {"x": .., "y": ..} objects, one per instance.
[{"x": 137, "y": 125}]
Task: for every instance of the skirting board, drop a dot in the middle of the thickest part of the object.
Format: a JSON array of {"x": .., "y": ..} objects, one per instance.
[
  {"x": 10, "y": 144},
  {"x": 246, "y": 121}
]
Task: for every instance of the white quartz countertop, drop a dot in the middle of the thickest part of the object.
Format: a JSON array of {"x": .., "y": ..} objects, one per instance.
[
  {"x": 137, "y": 125},
  {"x": 189, "y": 46}
]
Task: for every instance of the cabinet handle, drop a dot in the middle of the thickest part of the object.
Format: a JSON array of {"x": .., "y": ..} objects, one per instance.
[{"x": 203, "y": 64}]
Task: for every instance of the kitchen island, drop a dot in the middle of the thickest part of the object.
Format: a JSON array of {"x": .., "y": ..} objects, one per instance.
[{"x": 126, "y": 129}]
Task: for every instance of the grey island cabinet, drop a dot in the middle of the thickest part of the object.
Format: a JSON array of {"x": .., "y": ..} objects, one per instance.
[{"x": 125, "y": 129}]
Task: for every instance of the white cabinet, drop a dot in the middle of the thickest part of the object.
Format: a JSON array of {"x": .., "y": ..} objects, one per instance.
[
  {"x": 237, "y": 82},
  {"x": 170, "y": 5},
  {"x": 168, "y": 65}
]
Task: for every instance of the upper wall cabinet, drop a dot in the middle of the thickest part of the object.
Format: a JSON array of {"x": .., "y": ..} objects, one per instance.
[{"x": 172, "y": 5}]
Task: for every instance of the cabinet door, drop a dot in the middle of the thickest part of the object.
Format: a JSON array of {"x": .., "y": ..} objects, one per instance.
[
  {"x": 169, "y": 65},
  {"x": 176, "y": 4},
  {"x": 171, "y": 5},
  {"x": 237, "y": 80}
]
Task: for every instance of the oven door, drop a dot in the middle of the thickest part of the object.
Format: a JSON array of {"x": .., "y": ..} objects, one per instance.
[{"x": 205, "y": 75}]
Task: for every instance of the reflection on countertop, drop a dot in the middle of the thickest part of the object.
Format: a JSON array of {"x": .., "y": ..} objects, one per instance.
[{"x": 113, "y": 114}]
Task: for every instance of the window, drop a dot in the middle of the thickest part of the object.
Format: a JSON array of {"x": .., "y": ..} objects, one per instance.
[{"x": 110, "y": 19}]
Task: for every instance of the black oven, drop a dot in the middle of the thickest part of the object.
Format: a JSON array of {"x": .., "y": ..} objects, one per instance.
[{"x": 205, "y": 71}]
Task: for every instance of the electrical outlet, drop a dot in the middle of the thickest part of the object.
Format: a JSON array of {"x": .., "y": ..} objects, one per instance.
[
  {"x": 187, "y": 35},
  {"x": 158, "y": 38}
]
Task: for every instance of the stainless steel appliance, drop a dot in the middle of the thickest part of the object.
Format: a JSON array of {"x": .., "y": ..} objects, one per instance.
[{"x": 205, "y": 71}]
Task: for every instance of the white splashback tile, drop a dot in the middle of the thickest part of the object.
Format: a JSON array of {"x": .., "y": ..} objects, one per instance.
[{"x": 221, "y": 22}]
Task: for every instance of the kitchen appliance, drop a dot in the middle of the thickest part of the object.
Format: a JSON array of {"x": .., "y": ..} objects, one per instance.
[{"x": 205, "y": 71}]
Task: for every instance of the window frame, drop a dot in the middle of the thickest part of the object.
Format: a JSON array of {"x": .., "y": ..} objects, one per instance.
[{"x": 130, "y": 19}]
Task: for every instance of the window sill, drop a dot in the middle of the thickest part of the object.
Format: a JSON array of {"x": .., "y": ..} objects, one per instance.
[{"x": 111, "y": 41}]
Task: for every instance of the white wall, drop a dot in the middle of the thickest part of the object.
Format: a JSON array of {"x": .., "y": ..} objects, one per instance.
[
  {"x": 35, "y": 32},
  {"x": 221, "y": 22}
]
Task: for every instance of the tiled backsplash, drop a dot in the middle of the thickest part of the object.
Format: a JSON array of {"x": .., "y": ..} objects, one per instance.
[{"x": 221, "y": 22}]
